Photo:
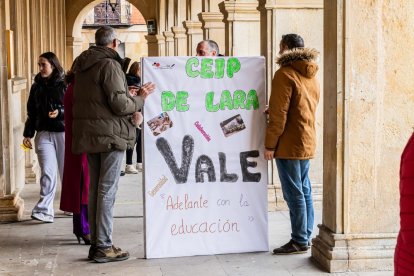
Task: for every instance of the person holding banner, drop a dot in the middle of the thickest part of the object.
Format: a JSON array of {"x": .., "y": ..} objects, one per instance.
[
  {"x": 291, "y": 136},
  {"x": 104, "y": 120},
  {"x": 207, "y": 48}
]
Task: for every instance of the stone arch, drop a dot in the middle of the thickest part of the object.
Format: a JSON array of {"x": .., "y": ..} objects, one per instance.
[{"x": 75, "y": 14}]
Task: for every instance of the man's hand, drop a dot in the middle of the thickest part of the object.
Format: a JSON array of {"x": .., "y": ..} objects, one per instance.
[
  {"x": 269, "y": 154},
  {"x": 133, "y": 90},
  {"x": 266, "y": 111},
  {"x": 27, "y": 143},
  {"x": 146, "y": 89}
]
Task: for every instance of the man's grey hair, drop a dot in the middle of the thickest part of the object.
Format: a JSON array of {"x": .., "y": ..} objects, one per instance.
[
  {"x": 212, "y": 45},
  {"x": 104, "y": 36}
]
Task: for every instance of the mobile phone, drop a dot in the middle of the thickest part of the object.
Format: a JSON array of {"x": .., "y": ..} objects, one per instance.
[{"x": 133, "y": 87}]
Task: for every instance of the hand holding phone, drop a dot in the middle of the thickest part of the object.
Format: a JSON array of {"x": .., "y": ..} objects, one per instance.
[{"x": 27, "y": 143}]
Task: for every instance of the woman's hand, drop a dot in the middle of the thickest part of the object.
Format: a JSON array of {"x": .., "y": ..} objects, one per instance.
[
  {"x": 269, "y": 154},
  {"x": 53, "y": 114},
  {"x": 27, "y": 142},
  {"x": 146, "y": 89}
]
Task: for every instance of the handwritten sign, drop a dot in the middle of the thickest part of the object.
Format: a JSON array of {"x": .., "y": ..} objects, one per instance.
[{"x": 205, "y": 179}]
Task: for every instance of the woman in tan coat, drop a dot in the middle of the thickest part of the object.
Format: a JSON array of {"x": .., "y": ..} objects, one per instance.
[{"x": 291, "y": 135}]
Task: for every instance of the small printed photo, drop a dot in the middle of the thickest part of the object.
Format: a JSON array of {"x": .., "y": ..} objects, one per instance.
[
  {"x": 232, "y": 125},
  {"x": 160, "y": 123}
]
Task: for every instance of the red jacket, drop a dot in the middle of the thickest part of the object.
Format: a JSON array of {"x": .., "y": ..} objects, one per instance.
[
  {"x": 404, "y": 251},
  {"x": 75, "y": 170}
]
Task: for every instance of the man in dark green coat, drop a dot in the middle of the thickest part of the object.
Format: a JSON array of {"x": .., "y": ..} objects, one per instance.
[{"x": 103, "y": 127}]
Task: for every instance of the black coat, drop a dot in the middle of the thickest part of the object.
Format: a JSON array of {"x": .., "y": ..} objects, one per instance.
[{"x": 46, "y": 95}]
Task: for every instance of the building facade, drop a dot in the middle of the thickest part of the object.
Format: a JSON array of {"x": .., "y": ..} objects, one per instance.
[{"x": 363, "y": 120}]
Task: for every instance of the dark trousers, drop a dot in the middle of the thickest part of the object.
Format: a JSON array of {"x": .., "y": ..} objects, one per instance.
[{"x": 130, "y": 152}]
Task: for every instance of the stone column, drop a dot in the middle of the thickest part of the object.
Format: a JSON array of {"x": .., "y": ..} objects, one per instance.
[
  {"x": 169, "y": 43},
  {"x": 194, "y": 36},
  {"x": 73, "y": 49},
  {"x": 242, "y": 28},
  {"x": 180, "y": 41},
  {"x": 156, "y": 45},
  {"x": 4, "y": 24},
  {"x": 367, "y": 84},
  {"x": 11, "y": 205},
  {"x": 213, "y": 26},
  {"x": 32, "y": 170}
]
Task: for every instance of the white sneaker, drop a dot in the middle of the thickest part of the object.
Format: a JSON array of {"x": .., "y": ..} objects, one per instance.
[
  {"x": 130, "y": 169},
  {"x": 67, "y": 213},
  {"x": 139, "y": 167},
  {"x": 42, "y": 217}
]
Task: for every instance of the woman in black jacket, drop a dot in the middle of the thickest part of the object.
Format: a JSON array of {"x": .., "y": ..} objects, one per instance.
[
  {"x": 45, "y": 118},
  {"x": 134, "y": 81}
]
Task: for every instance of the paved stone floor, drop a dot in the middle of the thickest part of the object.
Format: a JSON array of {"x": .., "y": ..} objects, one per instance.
[{"x": 34, "y": 248}]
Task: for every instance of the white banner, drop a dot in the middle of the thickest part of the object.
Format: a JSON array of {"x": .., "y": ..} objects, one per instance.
[{"x": 205, "y": 178}]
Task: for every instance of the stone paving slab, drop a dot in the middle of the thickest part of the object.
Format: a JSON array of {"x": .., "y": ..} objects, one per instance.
[{"x": 35, "y": 248}]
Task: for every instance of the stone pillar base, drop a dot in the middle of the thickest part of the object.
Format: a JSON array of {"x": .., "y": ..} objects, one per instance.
[
  {"x": 32, "y": 172},
  {"x": 11, "y": 208},
  {"x": 353, "y": 252}
]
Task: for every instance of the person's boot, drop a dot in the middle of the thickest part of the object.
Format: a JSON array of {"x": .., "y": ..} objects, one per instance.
[
  {"x": 92, "y": 251},
  {"x": 110, "y": 254}
]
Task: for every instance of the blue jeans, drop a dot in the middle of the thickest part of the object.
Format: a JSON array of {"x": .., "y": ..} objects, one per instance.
[
  {"x": 297, "y": 192},
  {"x": 104, "y": 169}
]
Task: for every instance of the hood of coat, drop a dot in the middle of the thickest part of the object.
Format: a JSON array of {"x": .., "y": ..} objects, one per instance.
[
  {"x": 94, "y": 55},
  {"x": 302, "y": 60}
]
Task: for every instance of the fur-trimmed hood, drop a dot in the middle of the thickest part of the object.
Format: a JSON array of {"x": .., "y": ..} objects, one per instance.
[{"x": 302, "y": 60}]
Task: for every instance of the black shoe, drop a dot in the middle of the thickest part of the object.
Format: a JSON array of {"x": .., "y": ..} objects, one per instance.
[
  {"x": 122, "y": 173},
  {"x": 86, "y": 239},
  {"x": 291, "y": 247}
]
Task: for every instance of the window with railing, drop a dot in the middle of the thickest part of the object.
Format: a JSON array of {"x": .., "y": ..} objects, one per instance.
[{"x": 118, "y": 15}]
